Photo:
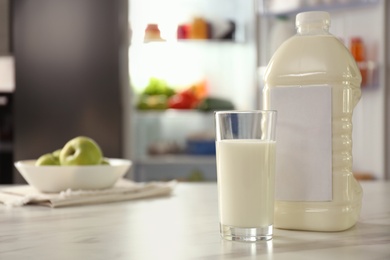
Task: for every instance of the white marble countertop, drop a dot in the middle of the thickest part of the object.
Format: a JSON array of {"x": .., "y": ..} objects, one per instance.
[{"x": 183, "y": 226}]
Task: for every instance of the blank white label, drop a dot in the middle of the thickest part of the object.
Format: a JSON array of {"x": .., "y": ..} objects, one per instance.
[{"x": 304, "y": 143}]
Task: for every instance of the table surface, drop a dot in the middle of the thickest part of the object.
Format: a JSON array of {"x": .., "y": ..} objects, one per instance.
[{"x": 181, "y": 226}]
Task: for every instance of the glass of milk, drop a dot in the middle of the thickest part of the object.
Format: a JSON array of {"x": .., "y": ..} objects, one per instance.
[{"x": 245, "y": 153}]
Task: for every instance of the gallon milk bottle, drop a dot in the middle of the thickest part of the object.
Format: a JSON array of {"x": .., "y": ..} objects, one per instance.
[{"x": 313, "y": 82}]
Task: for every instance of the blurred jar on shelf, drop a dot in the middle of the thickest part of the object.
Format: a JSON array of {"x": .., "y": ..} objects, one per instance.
[
  {"x": 152, "y": 33},
  {"x": 199, "y": 29},
  {"x": 183, "y": 31},
  {"x": 357, "y": 49}
]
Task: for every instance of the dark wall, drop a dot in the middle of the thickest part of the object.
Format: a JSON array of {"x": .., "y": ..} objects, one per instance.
[
  {"x": 68, "y": 82},
  {"x": 4, "y": 27}
]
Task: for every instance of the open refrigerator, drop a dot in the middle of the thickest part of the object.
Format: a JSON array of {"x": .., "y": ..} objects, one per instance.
[
  {"x": 176, "y": 45},
  {"x": 364, "y": 21},
  {"x": 231, "y": 68}
]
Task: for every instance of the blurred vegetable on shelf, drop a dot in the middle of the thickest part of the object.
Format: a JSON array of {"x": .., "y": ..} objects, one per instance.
[
  {"x": 188, "y": 98},
  {"x": 158, "y": 87},
  {"x": 183, "y": 100},
  {"x": 158, "y": 95},
  {"x": 214, "y": 103},
  {"x": 200, "y": 89},
  {"x": 155, "y": 96},
  {"x": 152, "y": 102}
]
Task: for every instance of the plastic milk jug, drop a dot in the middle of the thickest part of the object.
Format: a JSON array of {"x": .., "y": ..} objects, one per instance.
[{"x": 313, "y": 82}]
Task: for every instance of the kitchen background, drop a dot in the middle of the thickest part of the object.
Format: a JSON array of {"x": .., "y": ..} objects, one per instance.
[{"x": 142, "y": 77}]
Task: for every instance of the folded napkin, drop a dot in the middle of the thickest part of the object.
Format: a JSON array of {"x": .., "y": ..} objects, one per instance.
[{"x": 122, "y": 190}]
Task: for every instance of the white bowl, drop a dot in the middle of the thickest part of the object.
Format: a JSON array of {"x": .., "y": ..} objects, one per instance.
[{"x": 51, "y": 178}]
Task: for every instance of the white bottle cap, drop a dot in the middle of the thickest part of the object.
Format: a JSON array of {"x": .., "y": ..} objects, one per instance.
[{"x": 314, "y": 18}]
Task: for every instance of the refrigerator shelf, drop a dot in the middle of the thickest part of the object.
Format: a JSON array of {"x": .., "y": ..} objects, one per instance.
[
  {"x": 178, "y": 167},
  {"x": 189, "y": 42},
  {"x": 167, "y": 132}
]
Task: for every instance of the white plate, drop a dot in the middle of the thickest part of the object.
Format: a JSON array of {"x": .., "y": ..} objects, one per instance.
[{"x": 50, "y": 178}]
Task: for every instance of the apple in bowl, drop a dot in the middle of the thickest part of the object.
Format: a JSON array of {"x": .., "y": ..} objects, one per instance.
[
  {"x": 79, "y": 165},
  {"x": 57, "y": 178},
  {"x": 80, "y": 150}
]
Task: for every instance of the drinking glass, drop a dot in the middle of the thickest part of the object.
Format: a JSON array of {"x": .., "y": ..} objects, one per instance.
[{"x": 245, "y": 154}]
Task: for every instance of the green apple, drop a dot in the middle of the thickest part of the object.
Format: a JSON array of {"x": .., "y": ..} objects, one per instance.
[
  {"x": 105, "y": 161},
  {"x": 81, "y": 150},
  {"x": 47, "y": 159},
  {"x": 56, "y": 154}
]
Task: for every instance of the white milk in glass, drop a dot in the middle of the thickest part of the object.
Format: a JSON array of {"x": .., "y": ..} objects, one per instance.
[
  {"x": 245, "y": 170},
  {"x": 314, "y": 83}
]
